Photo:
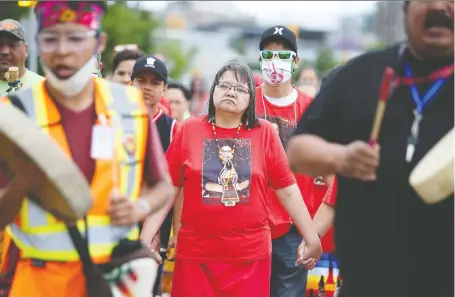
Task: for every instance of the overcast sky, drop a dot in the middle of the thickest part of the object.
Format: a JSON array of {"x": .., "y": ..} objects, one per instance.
[{"x": 314, "y": 14}]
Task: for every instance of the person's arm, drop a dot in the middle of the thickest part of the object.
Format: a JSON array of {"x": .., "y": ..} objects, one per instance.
[
  {"x": 178, "y": 207},
  {"x": 173, "y": 156},
  {"x": 12, "y": 193},
  {"x": 291, "y": 199},
  {"x": 325, "y": 216},
  {"x": 158, "y": 193},
  {"x": 283, "y": 181},
  {"x": 11, "y": 199},
  {"x": 323, "y": 219},
  {"x": 311, "y": 150},
  {"x": 320, "y": 157}
]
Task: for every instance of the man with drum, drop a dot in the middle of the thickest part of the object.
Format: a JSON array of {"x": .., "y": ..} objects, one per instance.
[
  {"x": 80, "y": 112},
  {"x": 389, "y": 242}
]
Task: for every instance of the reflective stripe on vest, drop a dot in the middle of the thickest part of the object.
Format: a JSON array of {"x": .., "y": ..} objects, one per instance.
[{"x": 39, "y": 234}]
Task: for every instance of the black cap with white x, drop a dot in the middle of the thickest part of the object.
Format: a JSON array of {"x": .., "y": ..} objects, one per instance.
[
  {"x": 150, "y": 64},
  {"x": 281, "y": 32}
]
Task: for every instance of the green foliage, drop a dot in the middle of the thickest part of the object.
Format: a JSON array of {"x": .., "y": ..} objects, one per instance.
[
  {"x": 254, "y": 66},
  {"x": 10, "y": 10},
  {"x": 181, "y": 60},
  {"x": 127, "y": 25},
  {"x": 376, "y": 46},
  {"x": 325, "y": 61},
  {"x": 238, "y": 45}
]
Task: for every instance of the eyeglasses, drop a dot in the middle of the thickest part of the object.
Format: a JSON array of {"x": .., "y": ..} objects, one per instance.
[
  {"x": 227, "y": 87},
  {"x": 282, "y": 55},
  {"x": 49, "y": 41}
]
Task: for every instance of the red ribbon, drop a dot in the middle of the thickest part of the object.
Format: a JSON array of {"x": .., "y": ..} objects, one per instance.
[{"x": 441, "y": 73}]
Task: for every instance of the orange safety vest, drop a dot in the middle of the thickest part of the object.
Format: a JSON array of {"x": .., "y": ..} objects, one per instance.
[{"x": 37, "y": 233}]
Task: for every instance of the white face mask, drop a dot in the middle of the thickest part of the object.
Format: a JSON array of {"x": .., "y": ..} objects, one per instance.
[
  {"x": 73, "y": 85},
  {"x": 276, "y": 72}
]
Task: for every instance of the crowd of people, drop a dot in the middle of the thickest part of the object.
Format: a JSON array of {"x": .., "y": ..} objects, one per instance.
[{"x": 229, "y": 190}]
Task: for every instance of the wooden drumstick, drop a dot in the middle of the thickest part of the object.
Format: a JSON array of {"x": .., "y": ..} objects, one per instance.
[{"x": 384, "y": 94}]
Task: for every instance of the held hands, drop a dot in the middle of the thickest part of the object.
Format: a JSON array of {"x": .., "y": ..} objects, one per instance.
[
  {"x": 359, "y": 160},
  {"x": 154, "y": 247},
  {"x": 123, "y": 212},
  {"x": 308, "y": 255}
]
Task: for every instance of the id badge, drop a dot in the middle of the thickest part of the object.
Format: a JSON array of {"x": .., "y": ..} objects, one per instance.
[{"x": 102, "y": 147}]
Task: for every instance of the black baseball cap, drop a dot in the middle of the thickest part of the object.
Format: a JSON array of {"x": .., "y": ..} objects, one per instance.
[
  {"x": 150, "y": 64},
  {"x": 280, "y": 32}
]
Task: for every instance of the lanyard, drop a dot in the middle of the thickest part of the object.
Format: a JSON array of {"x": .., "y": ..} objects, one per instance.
[{"x": 421, "y": 102}]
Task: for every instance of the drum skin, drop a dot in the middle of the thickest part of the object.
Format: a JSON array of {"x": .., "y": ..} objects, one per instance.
[{"x": 65, "y": 192}]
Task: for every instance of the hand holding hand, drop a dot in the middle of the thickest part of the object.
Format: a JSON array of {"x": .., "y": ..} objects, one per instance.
[
  {"x": 154, "y": 247},
  {"x": 359, "y": 160},
  {"x": 308, "y": 255}
]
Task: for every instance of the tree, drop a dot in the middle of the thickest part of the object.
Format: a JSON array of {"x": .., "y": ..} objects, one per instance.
[
  {"x": 255, "y": 66},
  {"x": 325, "y": 61},
  {"x": 238, "y": 45},
  {"x": 127, "y": 25},
  {"x": 181, "y": 60},
  {"x": 376, "y": 46},
  {"x": 10, "y": 10}
]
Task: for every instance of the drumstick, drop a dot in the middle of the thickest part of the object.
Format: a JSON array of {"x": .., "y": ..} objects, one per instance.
[{"x": 384, "y": 94}]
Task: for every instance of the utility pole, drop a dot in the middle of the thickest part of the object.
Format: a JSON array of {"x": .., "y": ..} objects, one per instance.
[
  {"x": 31, "y": 28},
  {"x": 32, "y": 50}
]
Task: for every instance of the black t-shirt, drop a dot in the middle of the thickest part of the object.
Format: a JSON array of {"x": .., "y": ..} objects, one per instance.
[{"x": 389, "y": 242}]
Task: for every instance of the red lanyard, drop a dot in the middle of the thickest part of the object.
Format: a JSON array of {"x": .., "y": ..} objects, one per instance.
[{"x": 441, "y": 73}]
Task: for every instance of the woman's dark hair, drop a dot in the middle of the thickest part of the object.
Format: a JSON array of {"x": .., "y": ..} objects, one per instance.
[
  {"x": 185, "y": 91},
  {"x": 243, "y": 74},
  {"x": 126, "y": 56}
]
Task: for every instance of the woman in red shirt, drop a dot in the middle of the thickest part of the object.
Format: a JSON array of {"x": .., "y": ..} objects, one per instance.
[{"x": 224, "y": 163}]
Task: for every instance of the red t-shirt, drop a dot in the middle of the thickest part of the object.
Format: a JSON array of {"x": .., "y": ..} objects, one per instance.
[
  {"x": 286, "y": 118},
  {"x": 210, "y": 230},
  {"x": 330, "y": 196}
]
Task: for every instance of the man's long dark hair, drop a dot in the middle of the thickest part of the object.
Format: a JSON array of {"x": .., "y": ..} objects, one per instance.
[{"x": 243, "y": 74}]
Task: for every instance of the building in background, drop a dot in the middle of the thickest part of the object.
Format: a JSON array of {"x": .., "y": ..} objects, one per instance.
[
  {"x": 388, "y": 22},
  {"x": 352, "y": 37}
]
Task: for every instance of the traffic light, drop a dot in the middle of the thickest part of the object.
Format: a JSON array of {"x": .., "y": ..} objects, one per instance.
[{"x": 26, "y": 3}]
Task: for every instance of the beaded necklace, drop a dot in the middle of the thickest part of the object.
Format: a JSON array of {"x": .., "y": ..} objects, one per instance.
[{"x": 236, "y": 139}]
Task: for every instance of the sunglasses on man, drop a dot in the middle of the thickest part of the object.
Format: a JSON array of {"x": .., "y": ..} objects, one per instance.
[{"x": 281, "y": 55}]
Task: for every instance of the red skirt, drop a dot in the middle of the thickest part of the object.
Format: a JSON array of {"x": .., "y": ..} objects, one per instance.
[{"x": 221, "y": 279}]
